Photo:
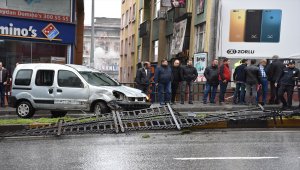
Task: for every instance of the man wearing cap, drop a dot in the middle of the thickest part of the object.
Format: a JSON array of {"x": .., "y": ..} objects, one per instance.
[{"x": 287, "y": 81}]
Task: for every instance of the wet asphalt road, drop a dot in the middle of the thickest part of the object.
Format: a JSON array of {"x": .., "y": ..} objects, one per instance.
[{"x": 224, "y": 150}]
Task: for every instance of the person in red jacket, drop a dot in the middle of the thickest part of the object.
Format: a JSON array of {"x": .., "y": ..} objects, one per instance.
[{"x": 224, "y": 78}]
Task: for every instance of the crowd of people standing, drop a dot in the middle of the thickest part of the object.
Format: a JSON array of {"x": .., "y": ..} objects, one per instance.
[{"x": 251, "y": 79}]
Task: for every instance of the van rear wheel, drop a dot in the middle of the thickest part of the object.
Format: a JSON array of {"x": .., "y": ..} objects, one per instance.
[
  {"x": 100, "y": 108},
  {"x": 25, "y": 109},
  {"x": 56, "y": 114}
]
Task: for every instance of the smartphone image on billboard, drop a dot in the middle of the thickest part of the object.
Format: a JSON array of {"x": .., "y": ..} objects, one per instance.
[
  {"x": 253, "y": 25},
  {"x": 237, "y": 25},
  {"x": 271, "y": 24}
]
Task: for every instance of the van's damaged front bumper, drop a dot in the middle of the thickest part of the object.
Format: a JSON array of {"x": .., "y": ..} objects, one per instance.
[{"x": 128, "y": 106}]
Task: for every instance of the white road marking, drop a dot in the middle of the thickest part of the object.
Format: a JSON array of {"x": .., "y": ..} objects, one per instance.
[{"x": 226, "y": 158}]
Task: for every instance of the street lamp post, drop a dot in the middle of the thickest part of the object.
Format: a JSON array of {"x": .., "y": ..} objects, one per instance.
[{"x": 92, "y": 36}]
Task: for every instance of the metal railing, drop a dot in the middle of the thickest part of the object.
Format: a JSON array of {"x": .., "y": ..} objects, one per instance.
[
  {"x": 199, "y": 88},
  {"x": 198, "y": 91}
]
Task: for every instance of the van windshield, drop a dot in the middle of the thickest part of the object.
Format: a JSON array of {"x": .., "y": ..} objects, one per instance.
[{"x": 98, "y": 79}]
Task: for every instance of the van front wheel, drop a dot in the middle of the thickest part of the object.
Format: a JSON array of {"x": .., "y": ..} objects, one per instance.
[
  {"x": 100, "y": 108},
  {"x": 25, "y": 110},
  {"x": 56, "y": 114}
]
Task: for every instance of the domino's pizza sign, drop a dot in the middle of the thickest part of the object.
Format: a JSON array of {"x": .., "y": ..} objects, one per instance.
[
  {"x": 35, "y": 30},
  {"x": 50, "y": 31}
]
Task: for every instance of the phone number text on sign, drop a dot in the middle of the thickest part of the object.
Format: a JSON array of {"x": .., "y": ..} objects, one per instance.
[{"x": 34, "y": 15}]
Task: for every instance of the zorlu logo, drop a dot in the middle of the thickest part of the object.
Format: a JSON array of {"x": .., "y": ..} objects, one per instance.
[
  {"x": 50, "y": 31},
  {"x": 231, "y": 51}
]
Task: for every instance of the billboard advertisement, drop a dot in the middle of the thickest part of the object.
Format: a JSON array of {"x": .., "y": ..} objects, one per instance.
[
  {"x": 178, "y": 37},
  {"x": 50, "y": 10},
  {"x": 258, "y": 28},
  {"x": 200, "y": 63}
]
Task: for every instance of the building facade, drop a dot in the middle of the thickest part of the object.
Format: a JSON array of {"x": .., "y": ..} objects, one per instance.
[
  {"x": 129, "y": 40},
  {"x": 44, "y": 31},
  {"x": 171, "y": 30},
  {"x": 107, "y": 45}
]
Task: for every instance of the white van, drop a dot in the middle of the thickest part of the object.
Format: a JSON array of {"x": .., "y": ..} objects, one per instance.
[{"x": 61, "y": 88}]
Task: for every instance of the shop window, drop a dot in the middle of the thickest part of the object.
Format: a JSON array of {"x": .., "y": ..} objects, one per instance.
[
  {"x": 31, "y": 52},
  {"x": 44, "y": 78},
  {"x": 23, "y": 77},
  {"x": 68, "y": 79}
]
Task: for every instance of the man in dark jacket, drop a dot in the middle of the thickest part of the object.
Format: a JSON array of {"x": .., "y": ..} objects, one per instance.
[
  {"x": 274, "y": 70},
  {"x": 162, "y": 78},
  {"x": 287, "y": 81},
  {"x": 189, "y": 74},
  {"x": 253, "y": 79},
  {"x": 176, "y": 79},
  {"x": 143, "y": 76},
  {"x": 239, "y": 76},
  {"x": 224, "y": 78},
  {"x": 212, "y": 82},
  {"x": 3, "y": 82}
]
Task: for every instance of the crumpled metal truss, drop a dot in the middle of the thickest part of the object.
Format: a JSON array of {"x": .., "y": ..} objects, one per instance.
[{"x": 164, "y": 117}]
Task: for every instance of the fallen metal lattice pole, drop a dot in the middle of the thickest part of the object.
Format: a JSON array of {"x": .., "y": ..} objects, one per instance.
[{"x": 164, "y": 117}]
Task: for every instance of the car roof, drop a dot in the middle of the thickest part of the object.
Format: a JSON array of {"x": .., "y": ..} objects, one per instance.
[
  {"x": 80, "y": 68},
  {"x": 40, "y": 65},
  {"x": 53, "y": 66}
]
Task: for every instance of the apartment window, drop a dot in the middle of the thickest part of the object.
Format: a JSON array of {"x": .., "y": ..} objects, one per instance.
[
  {"x": 129, "y": 15},
  {"x": 200, "y": 38},
  {"x": 126, "y": 46},
  {"x": 122, "y": 47},
  {"x": 156, "y": 8},
  {"x": 141, "y": 16},
  {"x": 133, "y": 12},
  {"x": 117, "y": 47},
  {"x": 123, "y": 21},
  {"x": 156, "y": 43},
  {"x": 132, "y": 43},
  {"x": 126, "y": 18},
  {"x": 139, "y": 53}
]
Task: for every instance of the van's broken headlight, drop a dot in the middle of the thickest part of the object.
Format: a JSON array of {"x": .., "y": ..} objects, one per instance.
[{"x": 119, "y": 95}]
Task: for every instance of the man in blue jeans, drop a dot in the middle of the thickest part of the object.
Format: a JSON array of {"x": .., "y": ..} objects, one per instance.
[
  {"x": 240, "y": 78},
  {"x": 224, "y": 78},
  {"x": 263, "y": 90},
  {"x": 212, "y": 82},
  {"x": 162, "y": 78}
]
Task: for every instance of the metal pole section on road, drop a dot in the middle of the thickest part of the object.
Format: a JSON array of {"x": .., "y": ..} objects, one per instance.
[{"x": 92, "y": 37}]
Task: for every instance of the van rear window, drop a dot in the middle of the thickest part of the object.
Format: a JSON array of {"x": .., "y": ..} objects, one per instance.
[{"x": 23, "y": 77}]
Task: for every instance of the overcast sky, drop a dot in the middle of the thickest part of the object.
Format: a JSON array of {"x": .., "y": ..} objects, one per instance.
[{"x": 103, "y": 8}]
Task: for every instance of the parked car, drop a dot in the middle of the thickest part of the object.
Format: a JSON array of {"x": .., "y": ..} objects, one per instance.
[{"x": 61, "y": 88}]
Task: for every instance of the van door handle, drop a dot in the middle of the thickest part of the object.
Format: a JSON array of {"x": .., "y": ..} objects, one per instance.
[
  {"x": 50, "y": 91},
  {"x": 59, "y": 90}
]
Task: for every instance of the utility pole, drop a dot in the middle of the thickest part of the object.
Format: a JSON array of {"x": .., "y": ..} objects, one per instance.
[{"x": 92, "y": 54}]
